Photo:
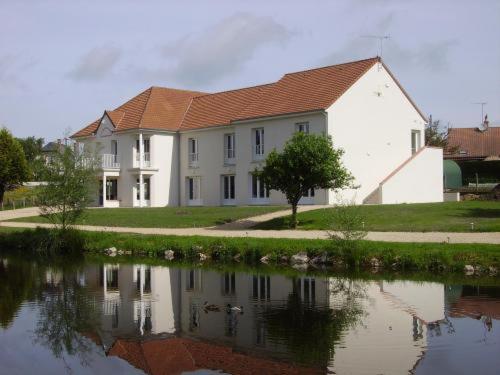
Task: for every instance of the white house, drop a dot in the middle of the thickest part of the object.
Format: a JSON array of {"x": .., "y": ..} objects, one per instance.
[{"x": 168, "y": 147}]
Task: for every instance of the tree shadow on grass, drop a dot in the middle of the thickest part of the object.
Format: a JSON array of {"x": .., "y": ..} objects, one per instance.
[{"x": 493, "y": 213}]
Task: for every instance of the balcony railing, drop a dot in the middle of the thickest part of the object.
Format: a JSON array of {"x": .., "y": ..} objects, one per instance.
[
  {"x": 110, "y": 161},
  {"x": 146, "y": 160},
  {"x": 229, "y": 153},
  {"x": 258, "y": 152},
  {"x": 193, "y": 158}
]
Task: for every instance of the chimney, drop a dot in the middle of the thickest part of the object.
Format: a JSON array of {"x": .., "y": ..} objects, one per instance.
[{"x": 486, "y": 123}]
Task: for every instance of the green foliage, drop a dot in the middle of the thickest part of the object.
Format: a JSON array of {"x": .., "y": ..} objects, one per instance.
[
  {"x": 32, "y": 148},
  {"x": 13, "y": 166},
  {"x": 71, "y": 181},
  {"x": 348, "y": 230},
  {"x": 308, "y": 161},
  {"x": 437, "y": 138}
]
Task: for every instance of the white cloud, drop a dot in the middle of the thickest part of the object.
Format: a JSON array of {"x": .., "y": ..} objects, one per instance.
[
  {"x": 223, "y": 49},
  {"x": 430, "y": 56},
  {"x": 96, "y": 64}
]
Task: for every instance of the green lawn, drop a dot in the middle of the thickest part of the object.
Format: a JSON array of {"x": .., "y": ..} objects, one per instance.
[
  {"x": 165, "y": 217},
  {"x": 423, "y": 217}
]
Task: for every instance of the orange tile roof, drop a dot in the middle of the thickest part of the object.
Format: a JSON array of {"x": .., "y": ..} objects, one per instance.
[
  {"x": 473, "y": 143},
  {"x": 305, "y": 91},
  {"x": 178, "y": 355},
  {"x": 222, "y": 107},
  {"x": 308, "y": 90},
  {"x": 154, "y": 108}
]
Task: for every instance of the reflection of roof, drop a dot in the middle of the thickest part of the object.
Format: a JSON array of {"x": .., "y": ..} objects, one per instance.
[
  {"x": 473, "y": 143},
  {"x": 474, "y": 307},
  {"x": 176, "y": 355}
]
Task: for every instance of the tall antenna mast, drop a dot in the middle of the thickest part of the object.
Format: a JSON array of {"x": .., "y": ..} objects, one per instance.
[
  {"x": 482, "y": 104},
  {"x": 380, "y": 38}
]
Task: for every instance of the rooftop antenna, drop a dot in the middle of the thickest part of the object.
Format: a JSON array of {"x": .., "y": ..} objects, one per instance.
[
  {"x": 381, "y": 39},
  {"x": 482, "y": 104}
]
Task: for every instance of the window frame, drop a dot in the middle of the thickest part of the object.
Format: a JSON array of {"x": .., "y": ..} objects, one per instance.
[
  {"x": 193, "y": 152},
  {"x": 305, "y": 124},
  {"x": 228, "y": 185},
  {"x": 229, "y": 148},
  {"x": 258, "y": 143}
]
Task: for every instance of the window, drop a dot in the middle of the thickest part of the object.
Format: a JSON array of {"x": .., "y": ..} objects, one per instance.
[
  {"x": 145, "y": 145},
  {"x": 147, "y": 189},
  {"x": 415, "y": 141},
  {"x": 302, "y": 127},
  {"x": 146, "y": 160},
  {"x": 194, "y": 189},
  {"x": 306, "y": 288},
  {"x": 192, "y": 151},
  {"x": 261, "y": 287},
  {"x": 309, "y": 194},
  {"x": 229, "y": 149},
  {"x": 259, "y": 190},
  {"x": 228, "y": 284},
  {"x": 193, "y": 280},
  {"x": 258, "y": 143},
  {"x": 111, "y": 190},
  {"x": 114, "y": 150},
  {"x": 228, "y": 192}
]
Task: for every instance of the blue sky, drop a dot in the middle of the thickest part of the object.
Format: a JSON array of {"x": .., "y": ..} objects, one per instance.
[{"x": 62, "y": 63}]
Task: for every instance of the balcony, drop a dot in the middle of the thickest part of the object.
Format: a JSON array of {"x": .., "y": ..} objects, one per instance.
[
  {"x": 110, "y": 161},
  {"x": 193, "y": 159},
  {"x": 229, "y": 156},
  {"x": 258, "y": 152},
  {"x": 146, "y": 160}
]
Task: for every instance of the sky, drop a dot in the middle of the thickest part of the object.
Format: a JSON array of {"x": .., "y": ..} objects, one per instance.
[{"x": 62, "y": 63}]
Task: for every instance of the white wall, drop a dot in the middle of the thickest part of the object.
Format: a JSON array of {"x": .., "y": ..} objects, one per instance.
[
  {"x": 372, "y": 122},
  {"x": 211, "y": 157},
  {"x": 419, "y": 181},
  {"x": 164, "y": 164}
]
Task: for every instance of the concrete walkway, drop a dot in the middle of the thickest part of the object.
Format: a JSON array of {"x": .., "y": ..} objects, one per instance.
[
  {"x": 21, "y": 212},
  {"x": 241, "y": 229}
]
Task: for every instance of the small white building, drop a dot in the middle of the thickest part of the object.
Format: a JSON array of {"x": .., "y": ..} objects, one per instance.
[{"x": 168, "y": 147}]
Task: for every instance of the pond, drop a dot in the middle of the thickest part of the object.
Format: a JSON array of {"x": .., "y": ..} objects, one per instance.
[{"x": 95, "y": 318}]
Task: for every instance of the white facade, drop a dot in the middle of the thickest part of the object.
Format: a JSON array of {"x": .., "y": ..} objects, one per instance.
[
  {"x": 152, "y": 176},
  {"x": 380, "y": 130}
]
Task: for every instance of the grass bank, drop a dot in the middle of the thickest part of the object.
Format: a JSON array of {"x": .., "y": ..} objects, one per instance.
[
  {"x": 422, "y": 217},
  {"x": 394, "y": 256},
  {"x": 165, "y": 217}
]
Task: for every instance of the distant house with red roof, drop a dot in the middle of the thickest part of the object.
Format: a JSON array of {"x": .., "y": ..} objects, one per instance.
[
  {"x": 169, "y": 147},
  {"x": 475, "y": 152}
]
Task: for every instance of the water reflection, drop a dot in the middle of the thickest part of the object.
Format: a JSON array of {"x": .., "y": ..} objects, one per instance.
[{"x": 161, "y": 319}]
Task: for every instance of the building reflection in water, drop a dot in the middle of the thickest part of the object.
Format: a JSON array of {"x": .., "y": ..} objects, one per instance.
[{"x": 398, "y": 318}]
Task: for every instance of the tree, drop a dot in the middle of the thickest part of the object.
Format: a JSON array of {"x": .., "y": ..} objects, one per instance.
[
  {"x": 71, "y": 180},
  {"x": 13, "y": 166},
  {"x": 33, "y": 152},
  {"x": 435, "y": 137},
  {"x": 308, "y": 161}
]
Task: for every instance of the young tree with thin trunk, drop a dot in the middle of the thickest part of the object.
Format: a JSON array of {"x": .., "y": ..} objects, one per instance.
[
  {"x": 308, "y": 161},
  {"x": 71, "y": 180},
  {"x": 13, "y": 166}
]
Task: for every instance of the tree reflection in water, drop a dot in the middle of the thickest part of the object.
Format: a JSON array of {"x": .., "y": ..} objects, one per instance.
[
  {"x": 18, "y": 284},
  {"x": 67, "y": 316},
  {"x": 311, "y": 332}
]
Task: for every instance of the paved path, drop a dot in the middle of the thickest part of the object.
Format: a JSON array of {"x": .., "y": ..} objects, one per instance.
[
  {"x": 492, "y": 238},
  {"x": 241, "y": 229},
  {"x": 21, "y": 212}
]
